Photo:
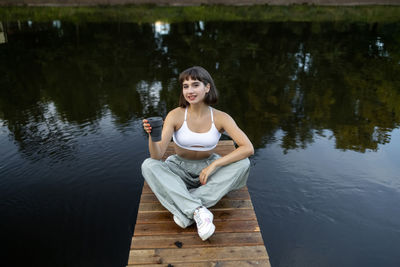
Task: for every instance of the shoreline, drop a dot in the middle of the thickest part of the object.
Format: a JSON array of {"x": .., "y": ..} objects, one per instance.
[
  {"x": 172, "y": 14},
  {"x": 82, "y": 3}
]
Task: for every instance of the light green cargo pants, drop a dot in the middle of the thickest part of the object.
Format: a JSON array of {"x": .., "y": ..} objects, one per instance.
[{"x": 176, "y": 184}]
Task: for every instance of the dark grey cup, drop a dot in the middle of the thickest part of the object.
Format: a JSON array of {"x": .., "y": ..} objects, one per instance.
[{"x": 156, "y": 128}]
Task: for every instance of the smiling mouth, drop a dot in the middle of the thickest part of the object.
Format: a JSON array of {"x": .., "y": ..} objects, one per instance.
[{"x": 191, "y": 97}]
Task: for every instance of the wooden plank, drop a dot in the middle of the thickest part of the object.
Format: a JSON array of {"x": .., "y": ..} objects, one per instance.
[
  {"x": 222, "y": 204},
  {"x": 219, "y": 215},
  {"x": 172, "y": 228},
  {"x": 237, "y": 240},
  {"x": 172, "y": 256},
  {"x": 193, "y": 240},
  {"x": 224, "y": 147},
  {"x": 247, "y": 263}
]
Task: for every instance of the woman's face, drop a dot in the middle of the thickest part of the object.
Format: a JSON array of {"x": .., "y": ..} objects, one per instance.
[{"x": 194, "y": 91}]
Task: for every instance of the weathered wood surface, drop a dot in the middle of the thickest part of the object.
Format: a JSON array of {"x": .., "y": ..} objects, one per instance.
[{"x": 237, "y": 240}]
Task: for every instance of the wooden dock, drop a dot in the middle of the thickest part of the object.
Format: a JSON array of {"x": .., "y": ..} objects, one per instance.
[{"x": 237, "y": 240}]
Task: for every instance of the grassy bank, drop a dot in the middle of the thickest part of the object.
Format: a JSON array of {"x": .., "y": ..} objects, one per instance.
[{"x": 149, "y": 13}]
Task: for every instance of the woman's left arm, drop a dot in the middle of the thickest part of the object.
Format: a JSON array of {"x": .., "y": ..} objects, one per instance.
[{"x": 244, "y": 150}]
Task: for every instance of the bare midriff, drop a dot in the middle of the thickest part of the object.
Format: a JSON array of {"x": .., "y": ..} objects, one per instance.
[{"x": 192, "y": 155}]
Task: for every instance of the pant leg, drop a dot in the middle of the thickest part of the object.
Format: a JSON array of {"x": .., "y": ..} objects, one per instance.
[
  {"x": 170, "y": 189},
  {"x": 222, "y": 181}
]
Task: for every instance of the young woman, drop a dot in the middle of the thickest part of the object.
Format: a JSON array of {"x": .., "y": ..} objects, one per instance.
[{"x": 195, "y": 178}]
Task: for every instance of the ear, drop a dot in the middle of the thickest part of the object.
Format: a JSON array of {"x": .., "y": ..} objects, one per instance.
[{"x": 208, "y": 87}]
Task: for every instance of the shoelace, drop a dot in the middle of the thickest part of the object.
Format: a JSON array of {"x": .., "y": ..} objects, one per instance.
[{"x": 198, "y": 219}]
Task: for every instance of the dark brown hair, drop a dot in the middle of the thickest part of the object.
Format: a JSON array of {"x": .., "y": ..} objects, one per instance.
[{"x": 200, "y": 74}]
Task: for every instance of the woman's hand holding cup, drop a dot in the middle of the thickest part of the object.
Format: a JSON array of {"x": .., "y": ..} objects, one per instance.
[
  {"x": 146, "y": 126},
  {"x": 153, "y": 126}
]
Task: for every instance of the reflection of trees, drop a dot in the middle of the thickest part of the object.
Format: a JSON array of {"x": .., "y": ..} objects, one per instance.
[
  {"x": 300, "y": 78},
  {"x": 81, "y": 73}
]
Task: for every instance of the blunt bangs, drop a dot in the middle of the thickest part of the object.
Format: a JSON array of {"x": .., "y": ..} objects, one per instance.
[
  {"x": 193, "y": 74},
  {"x": 200, "y": 74}
]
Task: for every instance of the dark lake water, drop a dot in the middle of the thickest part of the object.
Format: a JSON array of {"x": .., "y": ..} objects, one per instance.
[{"x": 319, "y": 101}]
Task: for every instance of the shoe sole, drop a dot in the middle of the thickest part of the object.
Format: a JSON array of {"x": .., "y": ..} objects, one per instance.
[{"x": 209, "y": 234}]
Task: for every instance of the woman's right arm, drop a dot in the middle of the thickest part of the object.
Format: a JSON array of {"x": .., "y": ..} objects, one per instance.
[{"x": 157, "y": 149}]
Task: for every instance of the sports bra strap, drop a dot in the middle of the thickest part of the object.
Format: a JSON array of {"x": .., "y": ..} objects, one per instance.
[{"x": 185, "y": 113}]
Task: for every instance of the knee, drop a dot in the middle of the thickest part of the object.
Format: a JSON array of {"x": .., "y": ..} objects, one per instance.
[
  {"x": 243, "y": 163},
  {"x": 148, "y": 164},
  {"x": 148, "y": 167}
]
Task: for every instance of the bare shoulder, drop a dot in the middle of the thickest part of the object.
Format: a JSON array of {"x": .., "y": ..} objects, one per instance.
[
  {"x": 176, "y": 113},
  {"x": 221, "y": 115},
  {"x": 222, "y": 119},
  {"x": 175, "y": 117}
]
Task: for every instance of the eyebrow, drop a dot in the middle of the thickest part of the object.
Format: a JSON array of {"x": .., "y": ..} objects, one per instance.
[{"x": 191, "y": 82}]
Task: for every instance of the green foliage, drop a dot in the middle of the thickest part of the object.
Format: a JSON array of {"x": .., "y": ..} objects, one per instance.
[
  {"x": 300, "y": 80},
  {"x": 151, "y": 13}
]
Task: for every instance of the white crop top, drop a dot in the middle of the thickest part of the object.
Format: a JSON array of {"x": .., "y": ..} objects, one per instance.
[{"x": 190, "y": 140}]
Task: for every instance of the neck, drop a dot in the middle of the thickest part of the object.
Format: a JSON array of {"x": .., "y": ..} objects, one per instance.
[{"x": 198, "y": 109}]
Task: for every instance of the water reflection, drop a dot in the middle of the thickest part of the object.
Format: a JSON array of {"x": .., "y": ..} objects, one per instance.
[
  {"x": 45, "y": 135},
  {"x": 3, "y": 36},
  {"x": 71, "y": 100},
  {"x": 297, "y": 78}
]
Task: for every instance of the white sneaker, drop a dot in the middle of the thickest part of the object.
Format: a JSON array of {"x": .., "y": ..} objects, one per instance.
[
  {"x": 180, "y": 223},
  {"x": 205, "y": 226}
]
